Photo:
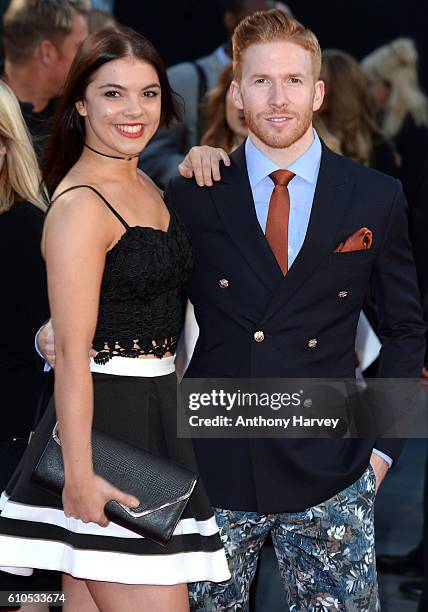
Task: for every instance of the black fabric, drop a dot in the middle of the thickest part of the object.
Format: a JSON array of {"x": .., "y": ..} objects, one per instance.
[
  {"x": 291, "y": 475},
  {"x": 142, "y": 296},
  {"x": 39, "y": 125},
  {"x": 11, "y": 452},
  {"x": 23, "y": 309},
  {"x": 412, "y": 145},
  {"x": 384, "y": 157}
]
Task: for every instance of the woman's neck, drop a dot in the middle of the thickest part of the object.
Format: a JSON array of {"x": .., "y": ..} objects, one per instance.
[{"x": 107, "y": 165}]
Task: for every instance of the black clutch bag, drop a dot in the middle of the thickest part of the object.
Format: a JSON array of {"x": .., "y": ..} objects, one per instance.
[{"x": 163, "y": 487}]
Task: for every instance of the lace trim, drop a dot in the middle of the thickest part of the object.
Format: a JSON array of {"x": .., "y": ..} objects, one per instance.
[{"x": 139, "y": 348}]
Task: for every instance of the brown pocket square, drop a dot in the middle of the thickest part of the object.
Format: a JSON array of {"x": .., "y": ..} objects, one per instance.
[{"x": 361, "y": 240}]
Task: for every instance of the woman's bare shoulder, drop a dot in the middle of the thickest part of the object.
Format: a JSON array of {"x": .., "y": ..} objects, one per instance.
[{"x": 77, "y": 207}]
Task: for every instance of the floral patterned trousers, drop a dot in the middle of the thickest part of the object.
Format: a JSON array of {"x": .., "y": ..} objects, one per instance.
[{"x": 325, "y": 554}]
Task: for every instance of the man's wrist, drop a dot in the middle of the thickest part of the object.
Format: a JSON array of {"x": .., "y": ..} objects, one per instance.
[{"x": 383, "y": 456}]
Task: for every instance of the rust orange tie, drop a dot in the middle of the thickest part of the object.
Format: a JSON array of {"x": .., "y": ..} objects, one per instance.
[{"x": 278, "y": 216}]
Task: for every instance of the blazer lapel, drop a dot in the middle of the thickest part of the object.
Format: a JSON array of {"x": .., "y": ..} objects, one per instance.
[
  {"x": 233, "y": 199},
  {"x": 331, "y": 197}
]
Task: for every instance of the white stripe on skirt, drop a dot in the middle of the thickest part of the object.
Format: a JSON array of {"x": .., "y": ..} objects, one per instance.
[
  {"x": 54, "y": 516},
  {"x": 111, "y": 566}
]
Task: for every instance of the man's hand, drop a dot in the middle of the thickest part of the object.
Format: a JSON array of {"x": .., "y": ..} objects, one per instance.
[
  {"x": 46, "y": 343},
  {"x": 380, "y": 467},
  {"x": 204, "y": 163}
]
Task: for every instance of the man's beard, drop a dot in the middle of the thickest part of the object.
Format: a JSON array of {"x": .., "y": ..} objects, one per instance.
[{"x": 257, "y": 125}]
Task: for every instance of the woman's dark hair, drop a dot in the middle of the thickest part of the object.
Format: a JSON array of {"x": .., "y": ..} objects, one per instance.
[{"x": 68, "y": 132}]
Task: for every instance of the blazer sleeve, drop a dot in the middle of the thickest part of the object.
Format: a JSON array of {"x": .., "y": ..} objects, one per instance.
[{"x": 395, "y": 289}]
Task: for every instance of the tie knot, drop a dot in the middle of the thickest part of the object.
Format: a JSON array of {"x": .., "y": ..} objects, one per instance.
[{"x": 282, "y": 177}]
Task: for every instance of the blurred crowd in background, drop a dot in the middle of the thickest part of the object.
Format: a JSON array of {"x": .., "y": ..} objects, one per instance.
[{"x": 375, "y": 111}]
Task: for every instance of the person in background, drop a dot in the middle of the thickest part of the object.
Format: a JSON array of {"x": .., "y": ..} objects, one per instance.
[
  {"x": 24, "y": 303},
  {"x": 98, "y": 20},
  {"x": 191, "y": 81},
  {"x": 403, "y": 112},
  {"x": 23, "y": 281},
  {"x": 347, "y": 112},
  {"x": 226, "y": 126},
  {"x": 40, "y": 41},
  {"x": 402, "y": 108}
]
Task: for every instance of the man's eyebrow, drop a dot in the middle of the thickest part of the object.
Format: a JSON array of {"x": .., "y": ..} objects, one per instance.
[
  {"x": 121, "y": 87},
  {"x": 269, "y": 76}
]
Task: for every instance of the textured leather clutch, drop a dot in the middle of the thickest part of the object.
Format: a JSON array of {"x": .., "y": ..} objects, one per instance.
[{"x": 163, "y": 487}]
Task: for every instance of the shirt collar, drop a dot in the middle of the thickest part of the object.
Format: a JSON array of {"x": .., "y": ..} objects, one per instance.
[{"x": 306, "y": 166}]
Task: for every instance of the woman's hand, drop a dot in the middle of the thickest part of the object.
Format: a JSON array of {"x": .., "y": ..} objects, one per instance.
[
  {"x": 203, "y": 163},
  {"x": 86, "y": 499}
]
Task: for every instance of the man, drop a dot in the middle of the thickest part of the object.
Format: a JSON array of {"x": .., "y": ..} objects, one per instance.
[
  {"x": 191, "y": 80},
  {"x": 265, "y": 310},
  {"x": 40, "y": 40}
]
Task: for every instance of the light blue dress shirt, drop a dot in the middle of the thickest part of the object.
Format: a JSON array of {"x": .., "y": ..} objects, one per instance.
[{"x": 301, "y": 189}]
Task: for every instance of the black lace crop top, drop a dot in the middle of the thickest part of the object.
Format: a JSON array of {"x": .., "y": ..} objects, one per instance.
[{"x": 142, "y": 298}]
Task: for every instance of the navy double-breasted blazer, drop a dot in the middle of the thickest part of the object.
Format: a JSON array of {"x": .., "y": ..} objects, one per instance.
[{"x": 272, "y": 475}]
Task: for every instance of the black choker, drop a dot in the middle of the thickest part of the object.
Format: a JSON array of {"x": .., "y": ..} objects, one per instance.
[{"x": 128, "y": 158}]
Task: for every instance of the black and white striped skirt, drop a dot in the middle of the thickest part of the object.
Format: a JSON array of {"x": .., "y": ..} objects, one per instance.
[{"x": 35, "y": 533}]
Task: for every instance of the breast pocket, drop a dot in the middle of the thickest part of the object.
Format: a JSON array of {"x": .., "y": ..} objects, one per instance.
[{"x": 354, "y": 258}]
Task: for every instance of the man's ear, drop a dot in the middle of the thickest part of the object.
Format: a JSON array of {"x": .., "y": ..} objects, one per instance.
[
  {"x": 235, "y": 92},
  {"x": 81, "y": 108},
  {"x": 319, "y": 95},
  {"x": 47, "y": 52}
]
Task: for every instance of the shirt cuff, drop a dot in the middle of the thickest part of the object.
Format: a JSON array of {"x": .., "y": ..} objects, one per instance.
[
  {"x": 47, "y": 367},
  {"x": 387, "y": 458}
]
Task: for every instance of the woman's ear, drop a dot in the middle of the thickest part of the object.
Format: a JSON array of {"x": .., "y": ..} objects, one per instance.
[{"x": 81, "y": 108}]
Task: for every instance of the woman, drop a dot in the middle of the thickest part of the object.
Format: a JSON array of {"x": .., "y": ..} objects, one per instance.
[
  {"x": 25, "y": 303},
  {"x": 347, "y": 112},
  {"x": 403, "y": 108},
  {"x": 226, "y": 124},
  {"x": 117, "y": 262}
]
